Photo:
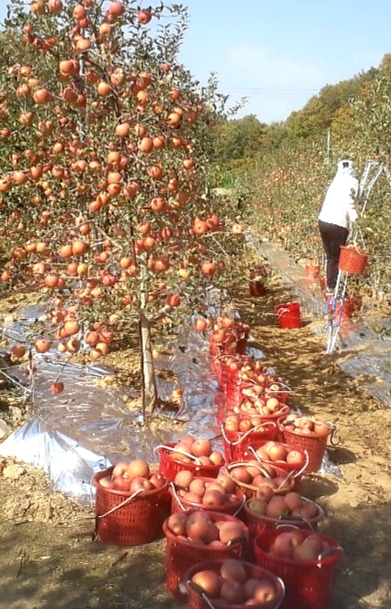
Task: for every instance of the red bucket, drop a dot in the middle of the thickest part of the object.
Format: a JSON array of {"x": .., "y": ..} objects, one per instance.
[
  {"x": 182, "y": 553},
  {"x": 308, "y": 582},
  {"x": 289, "y": 315},
  {"x": 352, "y": 261},
  {"x": 128, "y": 519},
  {"x": 312, "y": 271}
]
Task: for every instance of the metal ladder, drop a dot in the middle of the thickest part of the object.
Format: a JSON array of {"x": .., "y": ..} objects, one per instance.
[{"x": 335, "y": 303}]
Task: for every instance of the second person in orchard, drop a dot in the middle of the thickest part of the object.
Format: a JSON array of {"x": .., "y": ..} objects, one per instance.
[{"x": 336, "y": 217}]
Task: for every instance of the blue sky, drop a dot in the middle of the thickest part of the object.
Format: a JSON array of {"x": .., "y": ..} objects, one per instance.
[{"x": 279, "y": 53}]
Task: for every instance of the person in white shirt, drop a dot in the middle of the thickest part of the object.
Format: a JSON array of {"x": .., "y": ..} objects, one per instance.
[{"x": 337, "y": 214}]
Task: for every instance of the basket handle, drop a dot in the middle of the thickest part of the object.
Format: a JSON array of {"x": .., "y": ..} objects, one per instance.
[
  {"x": 321, "y": 515},
  {"x": 283, "y": 592},
  {"x": 330, "y": 552},
  {"x": 240, "y": 463},
  {"x": 281, "y": 311},
  {"x": 288, "y": 477},
  {"x": 200, "y": 593},
  {"x": 242, "y": 539},
  {"x": 125, "y": 502},
  {"x": 307, "y": 460},
  {"x": 241, "y": 505},
  {"x": 179, "y": 502},
  {"x": 181, "y": 452}
]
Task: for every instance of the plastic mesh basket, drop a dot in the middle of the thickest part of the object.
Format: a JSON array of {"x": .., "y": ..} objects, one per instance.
[
  {"x": 352, "y": 261},
  {"x": 308, "y": 583},
  {"x": 314, "y": 445},
  {"x": 182, "y": 554},
  {"x": 126, "y": 519},
  {"x": 195, "y": 601}
]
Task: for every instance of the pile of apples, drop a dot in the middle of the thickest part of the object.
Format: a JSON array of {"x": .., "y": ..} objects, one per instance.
[
  {"x": 251, "y": 389},
  {"x": 299, "y": 545},
  {"x": 264, "y": 478},
  {"x": 196, "y": 450},
  {"x": 225, "y": 333},
  {"x": 129, "y": 477},
  {"x": 279, "y": 507},
  {"x": 235, "y": 422},
  {"x": 201, "y": 527},
  {"x": 207, "y": 493},
  {"x": 234, "y": 583},
  {"x": 281, "y": 454},
  {"x": 306, "y": 426}
]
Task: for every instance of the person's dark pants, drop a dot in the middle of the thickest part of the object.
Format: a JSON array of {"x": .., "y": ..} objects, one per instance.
[{"x": 333, "y": 237}]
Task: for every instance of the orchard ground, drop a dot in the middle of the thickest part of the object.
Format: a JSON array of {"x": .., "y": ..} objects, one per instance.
[{"x": 48, "y": 556}]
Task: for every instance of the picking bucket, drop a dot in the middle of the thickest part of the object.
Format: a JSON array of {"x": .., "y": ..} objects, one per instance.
[
  {"x": 352, "y": 261},
  {"x": 289, "y": 315}
]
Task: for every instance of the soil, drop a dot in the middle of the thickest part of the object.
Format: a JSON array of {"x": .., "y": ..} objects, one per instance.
[{"x": 49, "y": 557}]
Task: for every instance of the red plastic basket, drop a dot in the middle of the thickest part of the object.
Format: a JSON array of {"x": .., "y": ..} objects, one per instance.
[
  {"x": 182, "y": 554},
  {"x": 128, "y": 519},
  {"x": 169, "y": 467},
  {"x": 314, "y": 445},
  {"x": 224, "y": 371},
  {"x": 257, "y": 523},
  {"x": 308, "y": 583},
  {"x": 236, "y": 442},
  {"x": 179, "y": 504},
  {"x": 195, "y": 600},
  {"x": 352, "y": 261}
]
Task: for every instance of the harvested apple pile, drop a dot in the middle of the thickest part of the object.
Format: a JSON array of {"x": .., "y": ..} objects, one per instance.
[
  {"x": 226, "y": 332},
  {"x": 234, "y": 583},
  {"x": 196, "y": 450},
  {"x": 281, "y": 454},
  {"x": 307, "y": 426},
  {"x": 205, "y": 528},
  {"x": 235, "y": 422},
  {"x": 212, "y": 494},
  {"x": 260, "y": 475},
  {"x": 279, "y": 507},
  {"x": 299, "y": 545},
  {"x": 133, "y": 476}
]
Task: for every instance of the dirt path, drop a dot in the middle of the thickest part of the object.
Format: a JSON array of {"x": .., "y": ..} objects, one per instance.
[{"x": 48, "y": 557}]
